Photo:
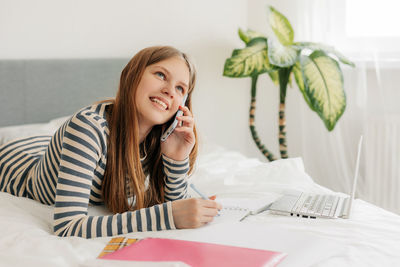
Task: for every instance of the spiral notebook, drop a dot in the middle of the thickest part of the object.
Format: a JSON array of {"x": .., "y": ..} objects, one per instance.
[{"x": 235, "y": 208}]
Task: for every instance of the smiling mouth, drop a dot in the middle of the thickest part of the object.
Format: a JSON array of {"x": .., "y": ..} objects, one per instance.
[{"x": 161, "y": 103}]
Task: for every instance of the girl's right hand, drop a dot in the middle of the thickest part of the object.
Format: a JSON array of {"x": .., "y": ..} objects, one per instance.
[{"x": 194, "y": 212}]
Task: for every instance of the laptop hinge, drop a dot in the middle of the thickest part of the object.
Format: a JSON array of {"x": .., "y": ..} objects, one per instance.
[{"x": 345, "y": 209}]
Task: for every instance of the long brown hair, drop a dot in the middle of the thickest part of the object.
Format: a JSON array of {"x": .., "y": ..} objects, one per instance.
[{"x": 124, "y": 168}]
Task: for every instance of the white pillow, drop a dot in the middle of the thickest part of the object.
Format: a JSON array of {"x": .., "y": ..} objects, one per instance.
[{"x": 19, "y": 131}]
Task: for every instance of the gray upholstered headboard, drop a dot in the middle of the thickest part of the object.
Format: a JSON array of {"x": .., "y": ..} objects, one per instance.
[{"x": 33, "y": 91}]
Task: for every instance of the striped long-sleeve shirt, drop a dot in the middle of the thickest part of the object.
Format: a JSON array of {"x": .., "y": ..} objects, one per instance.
[{"x": 67, "y": 170}]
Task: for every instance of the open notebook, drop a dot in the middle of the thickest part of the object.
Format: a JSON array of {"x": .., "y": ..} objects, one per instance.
[{"x": 235, "y": 209}]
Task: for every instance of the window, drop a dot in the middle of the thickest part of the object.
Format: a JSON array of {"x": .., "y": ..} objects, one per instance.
[
  {"x": 372, "y": 18},
  {"x": 365, "y": 29}
]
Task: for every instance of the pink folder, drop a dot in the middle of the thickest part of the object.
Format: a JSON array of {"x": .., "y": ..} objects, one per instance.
[{"x": 196, "y": 254}]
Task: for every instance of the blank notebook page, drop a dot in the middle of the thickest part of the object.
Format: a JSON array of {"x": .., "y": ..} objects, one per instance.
[{"x": 233, "y": 209}]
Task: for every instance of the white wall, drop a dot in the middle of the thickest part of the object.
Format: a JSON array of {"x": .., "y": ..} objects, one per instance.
[{"x": 104, "y": 28}]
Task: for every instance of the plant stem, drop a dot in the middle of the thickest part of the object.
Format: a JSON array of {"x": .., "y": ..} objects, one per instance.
[
  {"x": 252, "y": 115},
  {"x": 284, "y": 74}
]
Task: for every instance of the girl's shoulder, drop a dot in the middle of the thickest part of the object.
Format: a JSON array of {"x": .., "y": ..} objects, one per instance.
[
  {"x": 89, "y": 127},
  {"x": 97, "y": 111},
  {"x": 93, "y": 116}
]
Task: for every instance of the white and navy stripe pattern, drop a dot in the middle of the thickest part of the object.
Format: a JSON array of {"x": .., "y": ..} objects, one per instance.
[
  {"x": 67, "y": 170},
  {"x": 175, "y": 187}
]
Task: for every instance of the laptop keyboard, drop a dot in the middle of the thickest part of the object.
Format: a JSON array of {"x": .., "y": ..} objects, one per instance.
[{"x": 319, "y": 205}]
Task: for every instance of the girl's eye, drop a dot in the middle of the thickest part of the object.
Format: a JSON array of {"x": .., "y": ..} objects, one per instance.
[
  {"x": 160, "y": 74},
  {"x": 180, "y": 88}
]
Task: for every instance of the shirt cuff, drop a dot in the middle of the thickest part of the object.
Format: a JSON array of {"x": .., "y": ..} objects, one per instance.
[
  {"x": 170, "y": 215},
  {"x": 172, "y": 161}
]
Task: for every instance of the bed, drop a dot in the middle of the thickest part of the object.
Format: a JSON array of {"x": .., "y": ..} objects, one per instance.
[{"x": 371, "y": 237}]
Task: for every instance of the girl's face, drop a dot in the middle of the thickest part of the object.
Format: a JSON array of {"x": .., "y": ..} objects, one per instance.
[{"x": 161, "y": 91}]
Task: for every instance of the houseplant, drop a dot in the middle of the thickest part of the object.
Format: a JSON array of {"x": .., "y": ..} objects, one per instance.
[{"x": 315, "y": 68}]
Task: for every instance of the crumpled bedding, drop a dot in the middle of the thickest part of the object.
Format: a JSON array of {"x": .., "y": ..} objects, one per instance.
[{"x": 371, "y": 237}]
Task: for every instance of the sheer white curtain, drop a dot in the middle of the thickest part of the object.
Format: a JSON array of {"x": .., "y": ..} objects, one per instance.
[{"x": 373, "y": 109}]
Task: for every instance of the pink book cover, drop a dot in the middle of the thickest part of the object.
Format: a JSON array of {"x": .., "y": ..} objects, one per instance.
[{"x": 196, "y": 254}]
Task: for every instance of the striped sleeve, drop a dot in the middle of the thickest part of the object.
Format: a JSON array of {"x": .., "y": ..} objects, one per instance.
[
  {"x": 82, "y": 147},
  {"x": 175, "y": 178}
]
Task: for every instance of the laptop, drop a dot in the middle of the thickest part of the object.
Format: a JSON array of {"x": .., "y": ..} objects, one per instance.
[{"x": 318, "y": 206}]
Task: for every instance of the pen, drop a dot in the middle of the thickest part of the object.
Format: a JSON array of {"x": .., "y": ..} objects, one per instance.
[{"x": 198, "y": 192}]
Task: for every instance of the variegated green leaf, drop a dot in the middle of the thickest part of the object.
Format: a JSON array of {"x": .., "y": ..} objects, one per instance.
[
  {"x": 249, "y": 61},
  {"x": 290, "y": 81},
  {"x": 247, "y": 36},
  {"x": 323, "y": 82},
  {"x": 298, "y": 76},
  {"x": 342, "y": 58},
  {"x": 326, "y": 48},
  {"x": 274, "y": 77},
  {"x": 281, "y": 26},
  {"x": 280, "y": 55}
]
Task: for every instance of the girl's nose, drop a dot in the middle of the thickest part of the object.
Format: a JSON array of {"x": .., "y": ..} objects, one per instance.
[{"x": 168, "y": 90}]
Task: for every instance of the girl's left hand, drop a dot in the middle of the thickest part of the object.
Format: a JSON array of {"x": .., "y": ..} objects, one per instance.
[{"x": 181, "y": 142}]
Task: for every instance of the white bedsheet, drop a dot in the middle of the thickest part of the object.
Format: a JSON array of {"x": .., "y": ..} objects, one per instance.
[{"x": 370, "y": 238}]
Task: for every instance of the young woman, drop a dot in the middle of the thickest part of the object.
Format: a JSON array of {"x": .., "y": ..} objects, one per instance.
[{"x": 111, "y": 153}]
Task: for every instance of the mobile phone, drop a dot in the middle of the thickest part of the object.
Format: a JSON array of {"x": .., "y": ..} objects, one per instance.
[{"x": 174, "y": 123}]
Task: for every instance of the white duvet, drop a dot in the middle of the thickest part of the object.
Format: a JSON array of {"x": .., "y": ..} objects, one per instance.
[{"x": 371, "y": 237}]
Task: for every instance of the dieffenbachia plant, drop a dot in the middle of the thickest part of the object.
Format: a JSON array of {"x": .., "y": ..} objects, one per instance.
[{"x": 314, "y": 66}]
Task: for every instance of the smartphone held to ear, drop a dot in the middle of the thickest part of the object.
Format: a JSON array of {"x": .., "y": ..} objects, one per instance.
[{"x": 174, "y": 123}]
